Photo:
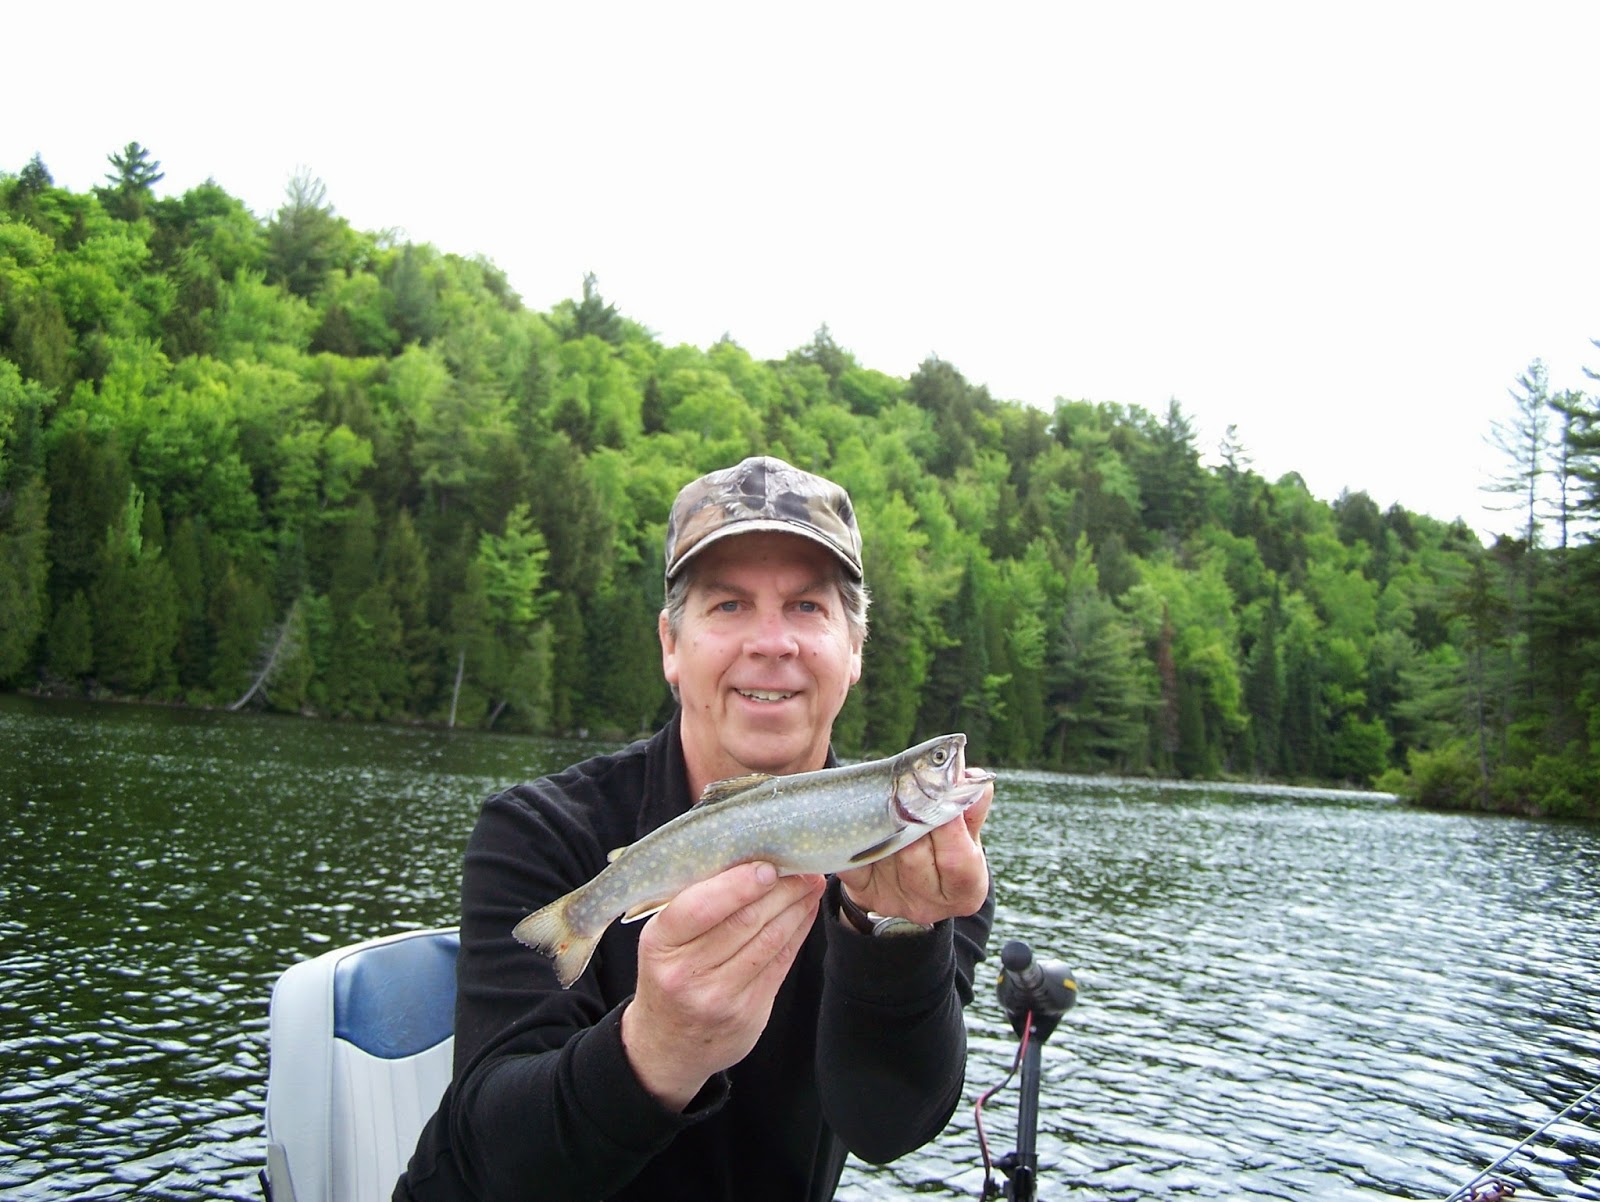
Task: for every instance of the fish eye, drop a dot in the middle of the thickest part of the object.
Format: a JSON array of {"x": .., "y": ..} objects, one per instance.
[{"x": 939, "y": 756}]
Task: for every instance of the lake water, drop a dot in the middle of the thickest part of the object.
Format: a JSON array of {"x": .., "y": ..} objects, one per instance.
[{"x": 1282, "y": 994}]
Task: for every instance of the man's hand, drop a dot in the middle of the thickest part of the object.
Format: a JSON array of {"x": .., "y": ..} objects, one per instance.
[
  {"x": 942, "y": 875},
  {"x": 709, "y": 966}
]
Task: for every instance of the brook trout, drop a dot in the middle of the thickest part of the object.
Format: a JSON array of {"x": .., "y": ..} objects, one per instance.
[{"x": 823, "y": 821}]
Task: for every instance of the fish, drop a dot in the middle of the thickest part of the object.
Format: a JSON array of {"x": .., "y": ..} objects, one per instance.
[{"x": 824, "y": 821}]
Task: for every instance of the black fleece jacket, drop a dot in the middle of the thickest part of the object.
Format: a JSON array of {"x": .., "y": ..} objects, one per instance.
[{"x": 865, "y": 1050}]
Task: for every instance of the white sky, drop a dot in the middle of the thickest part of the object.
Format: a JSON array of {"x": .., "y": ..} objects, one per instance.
[{"x": 1345, "y": 229}]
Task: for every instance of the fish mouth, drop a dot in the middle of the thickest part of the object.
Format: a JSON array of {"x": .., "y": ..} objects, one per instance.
[
  {"x": 963, "y": 782},
  {"x": 956, "y": 785},
  {"x": 958, "y": 793}
]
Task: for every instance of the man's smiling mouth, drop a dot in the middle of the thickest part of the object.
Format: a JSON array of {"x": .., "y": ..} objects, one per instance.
[{"x": 763, "y": 695}]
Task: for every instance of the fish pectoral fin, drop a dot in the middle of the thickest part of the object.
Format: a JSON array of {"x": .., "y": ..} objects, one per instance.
[
  {"x": 644, "y": 909},
  {"x": 720, "y": 790},
  {"x": 876, "y": 851}
]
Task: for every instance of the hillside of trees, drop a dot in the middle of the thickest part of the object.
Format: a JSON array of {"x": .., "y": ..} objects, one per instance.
[{"x": 326, "y": 471}]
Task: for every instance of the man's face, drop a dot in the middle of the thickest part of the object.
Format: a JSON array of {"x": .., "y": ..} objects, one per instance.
[{"x": 763, "y": 657}]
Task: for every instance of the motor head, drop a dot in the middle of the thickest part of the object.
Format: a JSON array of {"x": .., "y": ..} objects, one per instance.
[{"x": 1044, "y": 989}]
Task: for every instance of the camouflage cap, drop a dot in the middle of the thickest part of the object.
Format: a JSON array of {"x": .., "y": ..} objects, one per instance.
[{"x": 762, "y": 493}]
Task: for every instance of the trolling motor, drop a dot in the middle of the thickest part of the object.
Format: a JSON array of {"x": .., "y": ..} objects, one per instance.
[{"x": 1034, "y": 996}]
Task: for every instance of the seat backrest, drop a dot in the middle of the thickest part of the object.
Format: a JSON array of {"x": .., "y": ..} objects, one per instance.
[{"x": 361, "y": 1041}]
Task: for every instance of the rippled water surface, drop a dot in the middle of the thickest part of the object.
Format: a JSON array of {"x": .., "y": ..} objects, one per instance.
[{"x": 1282, "y": 994}]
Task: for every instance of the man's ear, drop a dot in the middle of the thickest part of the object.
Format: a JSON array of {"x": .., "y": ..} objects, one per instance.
[{"x": 669, "y": 649}]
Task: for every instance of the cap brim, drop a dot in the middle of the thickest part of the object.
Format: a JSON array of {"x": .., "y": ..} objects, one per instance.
[{"x": 767, "y": 525}]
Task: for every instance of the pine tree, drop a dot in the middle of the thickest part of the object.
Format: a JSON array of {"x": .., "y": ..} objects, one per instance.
[
  {"x": 1098, "y": 691},
  {"x": 135, "y": 176},
  {"x": 1264, "y": 695},
  {"x": 135, "y": 602},
  {"x": 24, "y": 571},
  {"x": 1304, "y": 715},
  {"x": 405, "y": 579},
  {"x": 305, "y": 240},
  {"x": 69, "y": 645}
]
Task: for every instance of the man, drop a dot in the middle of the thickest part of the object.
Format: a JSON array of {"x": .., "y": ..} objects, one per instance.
[{"x": 742, "y": 1041}]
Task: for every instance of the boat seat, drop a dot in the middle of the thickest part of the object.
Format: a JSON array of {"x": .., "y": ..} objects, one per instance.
[{"x": 361, "y": 1042}]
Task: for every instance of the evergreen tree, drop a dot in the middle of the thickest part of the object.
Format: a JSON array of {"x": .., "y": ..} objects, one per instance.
[
  {"x": 1168, "y": 732},
  {"x": 305, "y": 240},
  {"x": 24, "y": 571},
  {"x": 35, "y": 177},
  {"x": 88, "y": 479},
  {"x": 1524, "y": 440},
  {"x": 594, "y": 317},
  {"x": 1486, "y": 612},
  {"x": 957, "y": 408},
  {"x": 954, "y": 697},
  {"x": 135, "y": 169},
  {"x": 1195, "y": 758},
  {"x": 625, "y": 692},
  {"x": 187, "y": 552},
  {"x": 404, "y": 579},
  {"x": 1304, "y": 713},
  {"x": 69, "y": 645},
  {"x": 1171, "y": 482},
  {"x": 1264, "y": 696},
  {"x": 415, "y": 290},
  {"x": 135, "y": 176},
  {"x": 135, "y": 603},
  {"x": 24, "y": 523},
  {"x": 1099, "y": 692},
  {"x": 240, "y": 618},
  {"x": 374, "y": 634}
]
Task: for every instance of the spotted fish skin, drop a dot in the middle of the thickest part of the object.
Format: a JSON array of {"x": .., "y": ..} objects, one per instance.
[{"x": 820, "y": 822}]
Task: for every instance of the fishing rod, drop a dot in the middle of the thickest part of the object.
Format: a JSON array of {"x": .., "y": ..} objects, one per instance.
[
  {"x": 1034, "y": 996},
  {"x": 1488, "y": 1186}
]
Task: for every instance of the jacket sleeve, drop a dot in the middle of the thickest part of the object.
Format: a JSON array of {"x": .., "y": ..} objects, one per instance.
[
  {"x": 543, "y": 1102},
  {"x": 891, "y": 1038}
]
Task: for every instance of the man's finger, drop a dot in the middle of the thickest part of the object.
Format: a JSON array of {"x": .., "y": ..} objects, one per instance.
[
  {"x": 709, "y": 903},
  {"x": 976, "y": 813},
  {"x": 773, "y": 945},
  {"x": 730, "y": 910}
]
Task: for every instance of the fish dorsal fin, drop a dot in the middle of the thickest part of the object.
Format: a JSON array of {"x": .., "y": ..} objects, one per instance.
[{"x": 721, "y": 790}]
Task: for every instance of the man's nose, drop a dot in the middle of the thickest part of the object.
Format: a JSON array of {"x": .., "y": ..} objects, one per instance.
[{"x": 772, "y": 637}]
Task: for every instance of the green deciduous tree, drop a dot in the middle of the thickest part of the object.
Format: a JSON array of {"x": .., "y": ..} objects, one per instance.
[{"x": 506, "y": 629}]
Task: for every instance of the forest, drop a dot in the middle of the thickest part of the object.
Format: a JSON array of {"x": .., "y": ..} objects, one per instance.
[{"x": 290, "y": 464}]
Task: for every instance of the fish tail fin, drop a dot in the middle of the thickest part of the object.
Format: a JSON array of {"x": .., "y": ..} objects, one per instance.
[{"x": 549, "y": 931}]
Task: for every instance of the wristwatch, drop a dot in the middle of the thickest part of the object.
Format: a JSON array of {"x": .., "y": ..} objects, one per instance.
[{"x": 878, "y": 925}]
